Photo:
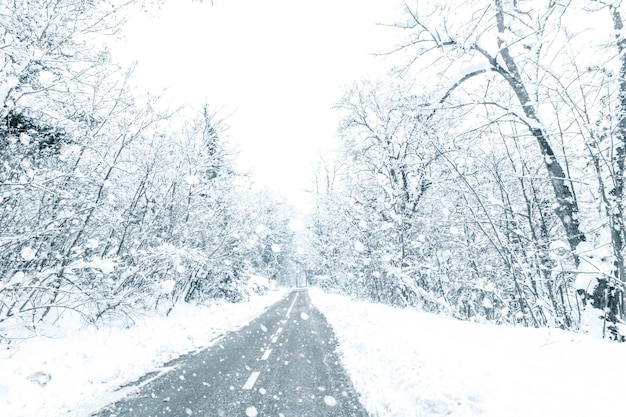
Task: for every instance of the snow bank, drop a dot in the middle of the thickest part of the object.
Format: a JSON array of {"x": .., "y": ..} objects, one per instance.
[
  {"x": 79, "y": 371},
  {"x": 409, "y": 363}
]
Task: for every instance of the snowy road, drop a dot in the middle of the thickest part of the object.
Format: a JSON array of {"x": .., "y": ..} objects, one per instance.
[{"x": 281, "y": 364}]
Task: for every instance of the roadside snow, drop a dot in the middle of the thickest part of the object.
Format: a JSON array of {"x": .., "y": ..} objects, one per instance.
[
  {"x": 408, "y": 363},
  {"x": 77, "y": 372}
]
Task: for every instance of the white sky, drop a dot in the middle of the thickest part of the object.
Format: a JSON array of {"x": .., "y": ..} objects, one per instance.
[{"x": 277, "y": 65}]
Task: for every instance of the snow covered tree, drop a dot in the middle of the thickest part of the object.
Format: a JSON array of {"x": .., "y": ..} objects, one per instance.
[
  {"x": 536, "y": 72},
  {"x": 522, "y": 128},
  {"x": 499, "y": 46},
  {"x": 110, "y": 204},
  {"x": 384, "y": 140}
]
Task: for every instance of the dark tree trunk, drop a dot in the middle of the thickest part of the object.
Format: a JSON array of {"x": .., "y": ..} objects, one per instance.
[{"x": 567, "y": 206}]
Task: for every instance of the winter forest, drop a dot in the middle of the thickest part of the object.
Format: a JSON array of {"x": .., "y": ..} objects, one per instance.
[
  {"x": 482, "y": 177},
  {"x": 111, "y": 203}
]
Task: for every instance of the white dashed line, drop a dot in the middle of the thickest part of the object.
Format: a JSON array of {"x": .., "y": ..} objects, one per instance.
[
  {"x": 251, "y": 380},
  {"x": 255, "y": 375},
  {"x": 291, "y": 307}
]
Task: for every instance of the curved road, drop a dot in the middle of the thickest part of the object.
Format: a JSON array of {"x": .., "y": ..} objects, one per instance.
[{"x": 282, "y": 364}]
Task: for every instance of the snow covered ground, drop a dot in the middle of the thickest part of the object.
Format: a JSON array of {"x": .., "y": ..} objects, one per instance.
[
  {"x": 77, "y": 372},
  {"x": 407, "y": 363},
  {"x": 402, "y": 362}
]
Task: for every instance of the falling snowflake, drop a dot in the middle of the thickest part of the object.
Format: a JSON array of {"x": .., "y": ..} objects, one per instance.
[
  {"x": 28, "y": 254},
  {"x": 330, "y": 401}
]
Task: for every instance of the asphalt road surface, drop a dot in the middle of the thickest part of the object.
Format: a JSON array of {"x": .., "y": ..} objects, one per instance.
[{"x": 283, "y": 364}]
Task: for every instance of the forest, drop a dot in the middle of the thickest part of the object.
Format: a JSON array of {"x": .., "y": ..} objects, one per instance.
[
  {"x": 484, "y": 176},
  {"x": 111, "y": 203},
  {"x": 481, "y": 178}
]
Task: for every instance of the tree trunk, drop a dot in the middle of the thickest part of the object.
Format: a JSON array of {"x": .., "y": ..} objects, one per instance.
[{"x": 567, "y": 206}]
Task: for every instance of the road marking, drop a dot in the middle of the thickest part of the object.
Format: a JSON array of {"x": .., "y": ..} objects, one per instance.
[
  {"x": 251, "y": 380},
  {"x": 291, "y": 307},
  {"x": 279, "y": 331},
  {"x": 274, "y": 339},
  {"x": 266, "y": 354}
]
